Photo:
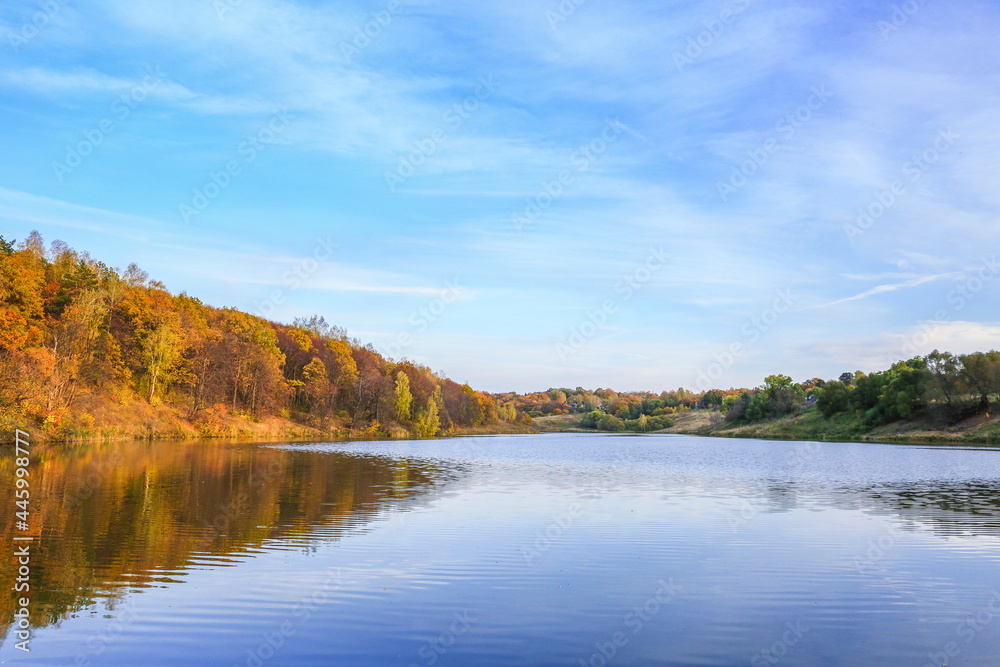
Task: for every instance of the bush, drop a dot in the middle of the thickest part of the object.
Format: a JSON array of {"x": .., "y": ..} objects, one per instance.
[
  {"x": 591, "y": 419},
  {"x": 610, "y": 423},
  {"x": 833, "y": 399}
]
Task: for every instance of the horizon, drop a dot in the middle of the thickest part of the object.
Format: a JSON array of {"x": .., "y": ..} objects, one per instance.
[{"x": 522, "y": 196}]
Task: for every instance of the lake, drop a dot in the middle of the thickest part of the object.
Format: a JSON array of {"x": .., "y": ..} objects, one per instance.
[{"x": 565, "y": 549}]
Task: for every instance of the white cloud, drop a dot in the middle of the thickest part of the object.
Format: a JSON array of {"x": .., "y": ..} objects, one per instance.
[{"x": 890, "y": 287}]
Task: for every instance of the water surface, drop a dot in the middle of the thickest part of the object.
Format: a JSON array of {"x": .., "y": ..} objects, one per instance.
[{"x": 513, "y": 550}]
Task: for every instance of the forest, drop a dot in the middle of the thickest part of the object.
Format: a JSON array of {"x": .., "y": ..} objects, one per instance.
[
  {"x": 87, "y": 350},
  {"x": 90, "y": 351}
]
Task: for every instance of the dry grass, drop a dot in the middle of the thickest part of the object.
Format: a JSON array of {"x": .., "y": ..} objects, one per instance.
[{"x": 558, "y": 423}]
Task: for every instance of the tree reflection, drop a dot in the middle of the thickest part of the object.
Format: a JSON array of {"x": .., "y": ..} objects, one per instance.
[{"x": 114, "y": 517}]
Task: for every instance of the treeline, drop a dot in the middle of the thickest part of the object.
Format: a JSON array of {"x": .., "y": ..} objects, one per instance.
[
  {"x": 941, "y": 387},
  {"x": 624, "y": 405},
  {"x": 947, "y": 388},
  {"x": 72, "y": 327},
  {"x": 609, "y": 410}
]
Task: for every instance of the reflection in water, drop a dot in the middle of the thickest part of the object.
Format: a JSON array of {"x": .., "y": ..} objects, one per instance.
[
  {"x": 949, "y": 507},
  {"x": 528, "y": 550},
  {"x": 110, "y": 518}
]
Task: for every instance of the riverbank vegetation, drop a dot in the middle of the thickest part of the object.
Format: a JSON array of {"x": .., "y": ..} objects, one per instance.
[
  {"x": 88, "y": 351},
  {"x": 936, "y": 397}
]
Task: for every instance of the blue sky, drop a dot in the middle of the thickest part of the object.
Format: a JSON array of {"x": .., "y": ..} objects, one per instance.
[{"x": 639, "y": 195}]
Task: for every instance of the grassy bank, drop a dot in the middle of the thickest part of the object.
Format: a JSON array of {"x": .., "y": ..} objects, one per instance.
[
  {"x": 808, "y": 424},
  {"x": 559, "y": 424}
]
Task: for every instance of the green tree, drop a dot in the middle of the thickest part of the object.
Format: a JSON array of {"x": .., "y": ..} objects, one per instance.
[
  {"x": 591, "y": 419},
  {"x": 610, "y": 423},
  {"x": 904, "y": 395},
  {"x": 775, "y": 383},
  {"x": 713, "y": 397},
  {"x": 981, "y": 371},
  {"x": 759, "y": 407},
  {"x": 867, "y": 390},
  {"x": 945, "y": 382},
  {"x": 833, "y": 399},
  {"x": 782, "y": 397}
]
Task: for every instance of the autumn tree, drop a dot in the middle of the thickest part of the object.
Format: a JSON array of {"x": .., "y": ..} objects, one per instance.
[
  {"x": 316, "y": 387},
  {"x": 428, "y": 421},
  {"x": 404, "y": 399},
  {"x": 470, "y": 409}
]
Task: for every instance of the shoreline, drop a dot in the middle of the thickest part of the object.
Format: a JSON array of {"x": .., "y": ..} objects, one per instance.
[{"x": 478, "y": 432}]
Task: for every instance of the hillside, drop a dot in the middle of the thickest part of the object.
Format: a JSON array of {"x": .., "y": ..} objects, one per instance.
[
  {"x": 89, "y": 351},
  {"x": 809, "y": 424}
]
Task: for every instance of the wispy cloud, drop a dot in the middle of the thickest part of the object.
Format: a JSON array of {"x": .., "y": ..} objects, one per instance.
[
  {"x": 558, "y": 85},
  {"x": 891, "y": 287}
]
